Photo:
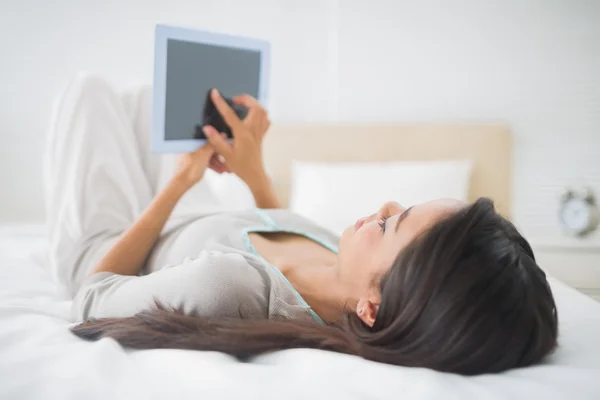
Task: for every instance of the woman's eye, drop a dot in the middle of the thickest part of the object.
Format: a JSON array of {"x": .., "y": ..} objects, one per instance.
[{"x": 382, "y": 224}]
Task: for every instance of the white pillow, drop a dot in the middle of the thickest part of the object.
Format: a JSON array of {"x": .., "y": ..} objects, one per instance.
[{"x": 335, "y": 195}]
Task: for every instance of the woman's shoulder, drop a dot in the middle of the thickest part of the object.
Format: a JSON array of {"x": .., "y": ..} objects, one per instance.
[
  {"x": 214, "y": 284},
  {"x": 223, "y": 284}
]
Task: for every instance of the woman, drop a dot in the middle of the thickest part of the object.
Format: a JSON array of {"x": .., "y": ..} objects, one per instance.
[{"x": 442, "y": 285}]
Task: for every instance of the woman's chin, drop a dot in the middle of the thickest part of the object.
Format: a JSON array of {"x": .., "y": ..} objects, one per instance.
[{"x": 347, "y": 234}]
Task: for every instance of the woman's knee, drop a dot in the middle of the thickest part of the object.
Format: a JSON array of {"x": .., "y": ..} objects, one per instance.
[{"x": 89, "y": 89}]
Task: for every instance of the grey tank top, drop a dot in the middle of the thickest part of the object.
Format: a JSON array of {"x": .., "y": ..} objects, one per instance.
[{"x": 206, "y": 265}]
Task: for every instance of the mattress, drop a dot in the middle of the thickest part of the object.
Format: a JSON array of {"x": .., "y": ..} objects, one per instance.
[{"x": 39, "y": 358}]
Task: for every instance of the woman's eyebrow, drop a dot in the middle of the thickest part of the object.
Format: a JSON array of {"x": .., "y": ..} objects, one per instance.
[{"x": 402, "y": 218}]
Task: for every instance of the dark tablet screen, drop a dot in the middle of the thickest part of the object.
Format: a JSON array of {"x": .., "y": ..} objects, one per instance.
[{"x": 192, "y": 70}]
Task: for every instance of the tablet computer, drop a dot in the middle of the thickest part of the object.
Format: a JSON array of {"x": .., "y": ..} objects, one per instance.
[{"x": 187, "y": 64}]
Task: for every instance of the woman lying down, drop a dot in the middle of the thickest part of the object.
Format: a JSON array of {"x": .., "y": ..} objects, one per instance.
[{"x": 442, "y": 285}]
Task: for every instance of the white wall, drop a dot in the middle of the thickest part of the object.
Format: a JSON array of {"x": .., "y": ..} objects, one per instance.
[
  {"x": 44, "y": 43},
  {"x": 533, "y": 64}
]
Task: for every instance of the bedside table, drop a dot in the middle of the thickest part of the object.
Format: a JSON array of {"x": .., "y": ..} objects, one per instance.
[{"x": 578, "y": 267}]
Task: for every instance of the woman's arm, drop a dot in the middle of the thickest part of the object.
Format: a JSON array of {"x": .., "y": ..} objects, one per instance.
[
  {"x": 130, "y": 252},
  {"x": 263, "y": 192}
]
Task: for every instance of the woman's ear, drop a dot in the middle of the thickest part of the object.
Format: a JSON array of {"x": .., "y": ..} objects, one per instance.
[{"x": 366, "y": 309}]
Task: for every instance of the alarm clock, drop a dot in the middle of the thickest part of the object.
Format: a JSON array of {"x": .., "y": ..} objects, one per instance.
[{"x": 579, "y": 212}]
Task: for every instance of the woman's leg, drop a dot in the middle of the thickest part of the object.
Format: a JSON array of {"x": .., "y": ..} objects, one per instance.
[
  {"x": 136, "y": 102},
  {"x": 95, "y": 184}
]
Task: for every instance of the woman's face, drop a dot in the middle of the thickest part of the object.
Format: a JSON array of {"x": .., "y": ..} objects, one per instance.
[{"x": 368, "y": 248}]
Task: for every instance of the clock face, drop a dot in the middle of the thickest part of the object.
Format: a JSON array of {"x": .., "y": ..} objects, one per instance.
[{"x": 576, "y": 215}]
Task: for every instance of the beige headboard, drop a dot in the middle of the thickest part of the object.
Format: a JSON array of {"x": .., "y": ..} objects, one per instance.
[{"x": 488, "y": 146}]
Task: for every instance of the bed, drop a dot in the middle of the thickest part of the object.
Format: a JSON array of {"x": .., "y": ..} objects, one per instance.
[{"x": 39, "y": 358}]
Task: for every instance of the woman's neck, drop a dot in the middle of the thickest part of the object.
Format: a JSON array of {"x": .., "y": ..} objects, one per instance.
[
  {"x": 321, "y": 289},
  {"x": 310, "y": 268}
]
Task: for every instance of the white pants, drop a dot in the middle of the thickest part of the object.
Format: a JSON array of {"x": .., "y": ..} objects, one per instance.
[{"x": 100, "y": 174}]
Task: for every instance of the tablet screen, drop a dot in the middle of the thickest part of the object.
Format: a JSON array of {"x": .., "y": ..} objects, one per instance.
[{"x": 192, "y": 70}]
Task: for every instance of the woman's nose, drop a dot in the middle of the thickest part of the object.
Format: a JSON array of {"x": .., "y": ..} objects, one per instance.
[{"x": 392, "y": 208}]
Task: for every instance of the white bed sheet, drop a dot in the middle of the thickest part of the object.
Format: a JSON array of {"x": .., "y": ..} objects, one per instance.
[{"x": 39, "y": 358}]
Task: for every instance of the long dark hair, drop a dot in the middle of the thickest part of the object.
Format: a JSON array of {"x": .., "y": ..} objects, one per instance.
[{"x": 466, "y": 296}]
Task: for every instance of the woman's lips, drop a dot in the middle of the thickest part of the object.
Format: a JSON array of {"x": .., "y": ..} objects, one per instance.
[{"x": 359, "y": 223}]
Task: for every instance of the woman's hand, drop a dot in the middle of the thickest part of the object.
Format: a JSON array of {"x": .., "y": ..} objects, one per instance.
[
  {"x": 244, "y": 156},
  {"x": 191, "y": 166}
]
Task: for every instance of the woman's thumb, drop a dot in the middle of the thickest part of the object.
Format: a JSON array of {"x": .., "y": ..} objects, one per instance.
[
  {"x": 204, "y": 152},
  {"x": 218, "y": 142}
]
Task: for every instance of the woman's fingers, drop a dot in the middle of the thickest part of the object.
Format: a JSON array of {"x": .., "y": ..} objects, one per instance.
[
  {"x": 215, "y": 168},
  {"x": 257, "y": 115},
  {"x": 219, "y": 159},
  {"x": 264, "y": 125},
  {"x": 191, "y": 166},
  {"x": 247, "y": 101},
  {"x": 204, "y": 153},
  {"x": 229, "y": 116},
  {"x": 217, "y": 141},
  {"x": 217, "y": 165}
]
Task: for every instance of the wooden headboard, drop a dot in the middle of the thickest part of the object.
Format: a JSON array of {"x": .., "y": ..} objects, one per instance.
[{"x": 488, "y": 146}]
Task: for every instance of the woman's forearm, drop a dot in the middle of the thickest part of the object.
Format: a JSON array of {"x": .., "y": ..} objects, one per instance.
[
  {"x": 263, "y": 192},
  {"x": 130, "y": 252}
]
